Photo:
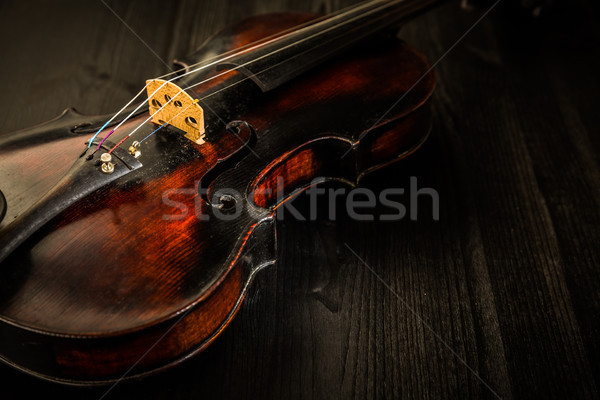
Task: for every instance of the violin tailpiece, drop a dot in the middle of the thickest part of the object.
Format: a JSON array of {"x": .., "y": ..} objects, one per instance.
[{"x": 169, "y": 104}]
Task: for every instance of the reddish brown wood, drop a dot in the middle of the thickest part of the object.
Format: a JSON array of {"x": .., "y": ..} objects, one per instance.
[
  {"x": 103, "y": 282},
  {"x": 168, "y": 343}
]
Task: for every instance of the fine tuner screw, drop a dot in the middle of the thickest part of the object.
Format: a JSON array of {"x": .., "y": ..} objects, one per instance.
[
  {"x": 133, "y": 149},
  {"x": 107, "y": 166}
]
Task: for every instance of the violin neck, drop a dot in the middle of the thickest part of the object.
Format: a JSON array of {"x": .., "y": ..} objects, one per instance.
[{"x": 280, "y": 60}]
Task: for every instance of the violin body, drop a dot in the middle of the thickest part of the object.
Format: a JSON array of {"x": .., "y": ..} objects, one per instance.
[{"x": 148, "y": 269}]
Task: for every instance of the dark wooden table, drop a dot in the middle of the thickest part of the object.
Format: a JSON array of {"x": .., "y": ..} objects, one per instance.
[{"x": 499, "y": 298}]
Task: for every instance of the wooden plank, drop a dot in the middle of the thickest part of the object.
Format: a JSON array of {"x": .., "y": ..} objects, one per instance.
[{"x": 498, "y": 297}]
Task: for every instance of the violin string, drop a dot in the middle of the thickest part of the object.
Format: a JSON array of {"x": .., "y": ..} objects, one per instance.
[
  {"x": 260, "y": 44},
  {"x": 279, "y": 63},
  {"x": 191, "y": 86},
  {"x": 311, "y": 23},
  {"x": 220, "y": 58},
  {"x": 264, "y": 70},
  {"x": 266, "y": 55},
  {"x": 367, "y": 4},
  {"x": 142, "y": 91},
  {"x": 146, "y": 86},
  {"x": 263, "y": 40}
]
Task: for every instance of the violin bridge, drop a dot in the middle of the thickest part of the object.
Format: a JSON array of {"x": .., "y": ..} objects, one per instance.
[{"x": 169, "y": 104}]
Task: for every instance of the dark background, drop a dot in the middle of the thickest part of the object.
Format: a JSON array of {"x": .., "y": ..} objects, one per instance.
[{"x": 500, "y": 296}]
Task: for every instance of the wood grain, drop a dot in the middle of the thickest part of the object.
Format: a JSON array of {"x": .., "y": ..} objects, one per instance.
[{"x": 505, "y": 282}]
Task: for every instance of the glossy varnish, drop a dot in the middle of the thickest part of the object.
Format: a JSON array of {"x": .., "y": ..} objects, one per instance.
[{"x": 113, "y": 282}]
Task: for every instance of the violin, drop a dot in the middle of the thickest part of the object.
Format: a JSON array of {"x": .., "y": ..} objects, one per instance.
[{"x": 128, "y": 241}]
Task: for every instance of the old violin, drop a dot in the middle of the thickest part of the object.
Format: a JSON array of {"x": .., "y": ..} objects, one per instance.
[{"x": 128, "y": 241}]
